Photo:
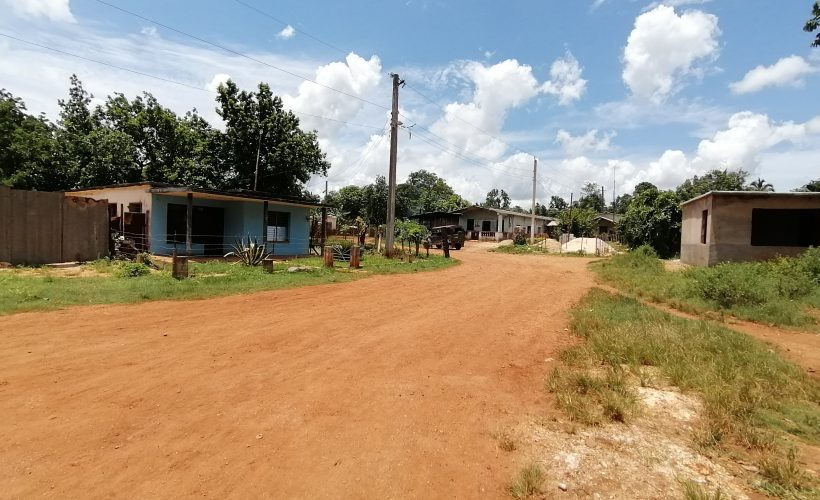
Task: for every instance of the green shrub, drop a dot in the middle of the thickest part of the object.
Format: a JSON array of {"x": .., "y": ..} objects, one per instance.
[
  {"x": 520, "y": 239},
  {"x": 729, "y": 285},
  {"x": 809, "y": 261},
  {"x": 133, "y": 270},
  {"x": 791, "y": 277},
  {"x": 645, "y": 251}
]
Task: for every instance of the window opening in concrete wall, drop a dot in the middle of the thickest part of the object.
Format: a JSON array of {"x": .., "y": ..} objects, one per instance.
[
  {"x": 704, "y": 225},
  {"x": 786, "y": 227}
]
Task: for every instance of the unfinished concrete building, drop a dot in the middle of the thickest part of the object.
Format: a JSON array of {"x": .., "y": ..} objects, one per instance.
[{"x": 723, "y": 226}]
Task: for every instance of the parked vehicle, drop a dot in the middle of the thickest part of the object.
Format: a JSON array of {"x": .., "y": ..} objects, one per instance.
[{"x": 455, "y": 236}]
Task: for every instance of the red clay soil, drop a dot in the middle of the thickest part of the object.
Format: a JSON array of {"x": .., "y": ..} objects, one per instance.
[{"x": 387, "y": 387}]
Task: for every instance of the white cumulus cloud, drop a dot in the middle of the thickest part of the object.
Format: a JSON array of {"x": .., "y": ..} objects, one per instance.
[
  {"x": 355, "y": 76},
  {"x": 287, "y": 33},
  {"x": 788, "y": 71},
  {"x": 566, "y": 83},
  {"x": 581, "y": 144},
  {"x": 55, "y": 10},
  {"x": 664, "y": 48}
]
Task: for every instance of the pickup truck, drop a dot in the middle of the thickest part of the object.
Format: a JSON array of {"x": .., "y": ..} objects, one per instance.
[{"x": 455, "y": 235}]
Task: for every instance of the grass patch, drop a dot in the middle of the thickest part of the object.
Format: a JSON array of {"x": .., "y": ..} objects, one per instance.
[
  {"x": 528, "y": 482},
  {"x": 520, "y": 249},
  {"x": 753, "y": 400},
  {"x": 594, "y": 399},
  {"x": 694, "y": 491},
  {"x": 784, "y": 291},
  {"x": 505, "y": 440},
  {"x": 28, "y": 289}
]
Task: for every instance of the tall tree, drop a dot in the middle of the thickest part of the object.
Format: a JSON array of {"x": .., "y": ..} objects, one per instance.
[
  {"x": 76, "y": 124},
  {"x": 810, "y": 187},
  {"x": 653, "y": 218},
  {"x": 256, "y": 124},
  {"x": 425, "y": 191},
  {"x": 715, "y": 180},
  {"x": 621, "y": 203},
  {"x": 27, "y": 148},
  {"x": 578, "y": 221},
  {"x": 813, "y": 23},
  {"x": 591, "y": 197},
  {"x": 497, "y": 199},
  {"x": 760, "y": 185}
]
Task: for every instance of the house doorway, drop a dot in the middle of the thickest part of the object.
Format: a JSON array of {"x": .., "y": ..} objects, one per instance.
[{"x": 486, "y": 225}]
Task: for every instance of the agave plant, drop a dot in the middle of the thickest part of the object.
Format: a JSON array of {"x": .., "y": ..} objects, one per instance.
[{"x": 250, "y": 253}]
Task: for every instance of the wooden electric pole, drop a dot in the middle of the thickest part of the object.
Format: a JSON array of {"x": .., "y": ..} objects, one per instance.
[
  {"x": 532, "y": 221},
  {"x": 390, "y": 231}
]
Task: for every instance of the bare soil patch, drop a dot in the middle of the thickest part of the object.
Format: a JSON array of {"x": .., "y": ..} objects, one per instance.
[{"x": 385, "y": 387}]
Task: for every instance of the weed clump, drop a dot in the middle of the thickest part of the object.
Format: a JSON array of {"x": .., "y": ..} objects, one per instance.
[
  {"x": 133, "y": 270},
  {"x": 528, "y": 482}
]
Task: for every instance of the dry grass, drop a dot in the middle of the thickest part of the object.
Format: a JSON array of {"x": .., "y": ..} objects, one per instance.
[
  {"x": 528, "y": 482},
  {"x": 752, "y": 399}
]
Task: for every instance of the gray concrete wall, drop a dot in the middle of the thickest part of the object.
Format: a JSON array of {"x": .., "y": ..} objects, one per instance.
[
  {"x": 729, "y": 234},
  {"x": 692, "y": 251},
  {"x": 40, "y": 228}
]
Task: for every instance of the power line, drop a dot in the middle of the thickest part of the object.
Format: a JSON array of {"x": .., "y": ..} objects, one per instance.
[
  {"x": 466, "y": 158},
  {"x": 464, "y": 150},
  {"x": 167, "y": 80},
  {"x": 300, "y": 31},
  {"x": 240, "y": 54},
  {"x": 514, "y": 148}
]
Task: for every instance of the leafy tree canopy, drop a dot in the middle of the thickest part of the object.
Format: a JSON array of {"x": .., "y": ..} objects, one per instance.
[
  {"x": 715, "y": 180},
  {"x": 653, "y": 218},
  {"x": 578, "y": 221},
  {"x": 813, "y": 23},
  {"x": 497, "y": 199},
  {"x": 591, "y": 197},
  {"x": 810, "y": 187}
]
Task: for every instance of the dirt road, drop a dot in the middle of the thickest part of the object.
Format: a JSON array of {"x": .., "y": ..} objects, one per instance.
[{"x": 389, "y": 387}]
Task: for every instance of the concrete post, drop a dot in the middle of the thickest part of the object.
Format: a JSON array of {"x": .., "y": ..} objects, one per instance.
[{"x": 499, "y": 232}]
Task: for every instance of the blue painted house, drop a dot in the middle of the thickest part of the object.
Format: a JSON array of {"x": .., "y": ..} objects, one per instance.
[{"x": 193, "y": 221}]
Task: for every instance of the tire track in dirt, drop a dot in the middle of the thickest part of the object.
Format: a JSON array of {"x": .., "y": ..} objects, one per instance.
[{"x": 384, "y": 387}]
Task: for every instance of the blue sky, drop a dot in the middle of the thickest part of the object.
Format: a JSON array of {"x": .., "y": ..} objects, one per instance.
[{"x": 615, "y": 91}]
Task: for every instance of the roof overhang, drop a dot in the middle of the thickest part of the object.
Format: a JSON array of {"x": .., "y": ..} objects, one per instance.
[{"x": 753, "y": 194}]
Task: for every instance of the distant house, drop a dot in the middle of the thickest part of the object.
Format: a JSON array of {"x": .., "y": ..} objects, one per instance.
[
  {"x": 436, "y": 219},
  {"x": 607, "y": 225},
  {"x": 498, "y": 224},
  {"x": 485, "y": 223},
  {"x": 722, "y": 226},
  {"x": 162, "y": 218}
]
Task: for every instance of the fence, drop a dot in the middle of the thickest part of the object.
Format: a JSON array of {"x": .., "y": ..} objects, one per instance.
[{"x": 40, "y": 228}]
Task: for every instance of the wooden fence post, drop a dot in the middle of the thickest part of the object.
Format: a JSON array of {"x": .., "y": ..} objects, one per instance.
[
  {"x": 179, "y": 267},
  {"x": 328, "y": 256},
  {"x": 355, "y": 253}
]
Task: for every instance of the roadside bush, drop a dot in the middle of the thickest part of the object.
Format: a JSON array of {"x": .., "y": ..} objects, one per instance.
[
  {"x": 730, "y": 285},
  {"x": 133, "y": 270},
  {"x": 810, "y": 263},
  {"x": 520, "y": 239},
  {"x": 790, "y": 277}
]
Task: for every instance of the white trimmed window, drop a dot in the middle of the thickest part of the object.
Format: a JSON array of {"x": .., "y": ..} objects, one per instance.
[{"x": 278, "y": 227}]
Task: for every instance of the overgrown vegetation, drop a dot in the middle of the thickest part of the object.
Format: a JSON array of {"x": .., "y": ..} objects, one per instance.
[
  {"x": 747, "y": 390},
  {"x": 27, "y": 289},
  {"x": 780, "y": 292},
  {"x": 528, "y": 482}
]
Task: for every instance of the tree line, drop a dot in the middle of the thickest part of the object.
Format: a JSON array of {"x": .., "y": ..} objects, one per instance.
[{"x": 134, "y": 140}]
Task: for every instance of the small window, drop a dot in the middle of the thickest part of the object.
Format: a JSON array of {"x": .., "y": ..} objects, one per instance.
[
  {"x": 278, "y": 226},
  {"x": 704, "y": 225},
  {"x": 135, "y": 208},
  {"x": 112, "y": 210}
]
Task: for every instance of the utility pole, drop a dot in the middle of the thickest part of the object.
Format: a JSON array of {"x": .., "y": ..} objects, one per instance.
[
  {"x": 532, "y": 221},
  {"x": 325, "y": 191},
  {"x": 390, "y": 231},
  {"x": 603, "y": 202},
  {"x": 256, "y": 170}
]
